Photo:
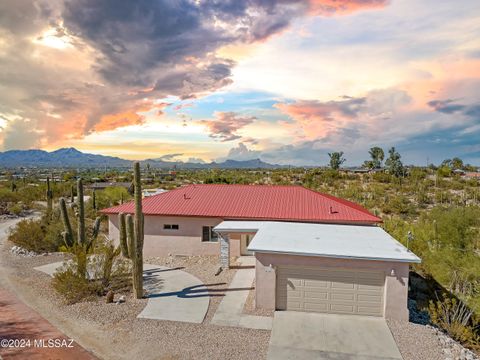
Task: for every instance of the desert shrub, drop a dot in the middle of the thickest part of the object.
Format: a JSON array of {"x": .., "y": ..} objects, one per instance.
[
  {"x": 382, "y": 177},
  {"x": 37, "y": 235},
  {"x": 15, "y": 209},
  {"x": 454, "y": 317},
  {"x": 87, "y": 276},
  {"x": 28, "y": 234},
  {"x": 72, "y": 286},
  {"x": 399, "y": 205}
]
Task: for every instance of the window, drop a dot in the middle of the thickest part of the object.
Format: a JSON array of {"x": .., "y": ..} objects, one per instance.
[
  {"x": 208, "y": 234},
  {"x": 170, "y": 226}
]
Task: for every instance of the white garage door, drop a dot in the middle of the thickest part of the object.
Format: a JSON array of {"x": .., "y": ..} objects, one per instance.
[{"x": 339, "y": 291}]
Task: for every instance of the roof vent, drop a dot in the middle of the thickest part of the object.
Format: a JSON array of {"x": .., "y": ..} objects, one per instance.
[
  {"x": 185, "y": 197},
  {"x": 333, "y": 211}
]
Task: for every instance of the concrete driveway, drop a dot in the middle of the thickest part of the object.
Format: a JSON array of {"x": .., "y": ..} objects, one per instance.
[{"x": 298, "y": 335}]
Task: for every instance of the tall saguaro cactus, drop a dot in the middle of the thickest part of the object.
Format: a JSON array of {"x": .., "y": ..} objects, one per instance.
[
  {"x": 137, "y": 257},
  {"x": 72, "y": 194},
  {"x": 83, "y": 245},
  {"x": 49, "y": 194},
  {"x": 81, "y": 212},
  {"x": 130, "y": 236},
  {"x": 123, "y": 235},
  {"x": 68, "y": 233}
]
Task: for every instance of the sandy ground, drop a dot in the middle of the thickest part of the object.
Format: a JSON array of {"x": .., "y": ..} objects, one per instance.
[{"x": 113, "y": 331}]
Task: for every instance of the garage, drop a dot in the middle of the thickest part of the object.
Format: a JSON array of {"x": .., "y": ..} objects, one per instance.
[
  {"x": 327, "y": 268},
  {"x": 338, "y": 291}
]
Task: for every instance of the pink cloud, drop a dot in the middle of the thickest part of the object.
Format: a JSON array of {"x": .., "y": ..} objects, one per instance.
[{"x": 226, "y": 125}]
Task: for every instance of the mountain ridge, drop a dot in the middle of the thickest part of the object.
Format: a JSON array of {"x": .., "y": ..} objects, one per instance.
[{"x": 73, "y": 158}]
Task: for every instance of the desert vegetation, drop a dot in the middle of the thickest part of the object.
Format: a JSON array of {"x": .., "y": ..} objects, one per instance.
[{"x": 435, "y": 210}]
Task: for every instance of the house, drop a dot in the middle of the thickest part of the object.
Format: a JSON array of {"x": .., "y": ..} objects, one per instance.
[
  {"x": 314, "y": 252},
  {"x": 104, "y": 185}
]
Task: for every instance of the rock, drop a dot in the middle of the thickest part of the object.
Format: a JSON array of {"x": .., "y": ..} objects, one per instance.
[
  {"x": 109, "y": 298},
  {"x": 19, "y": 251}
]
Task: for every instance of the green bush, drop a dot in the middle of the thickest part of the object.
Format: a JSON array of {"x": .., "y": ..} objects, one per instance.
[
  {"x": 15, "y": 209},
  {"x": 37, "y": 235},
  {"x": 454, "y": 317},
  {"x": 72, "y": 286}
]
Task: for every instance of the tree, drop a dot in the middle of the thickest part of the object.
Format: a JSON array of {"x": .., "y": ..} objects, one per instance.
[
  {"x": 377, "y": 155},
  {"x": 336, "y": 159},
  {"x": 393, "y": 163},
  {"x": 454, "y": 164}
]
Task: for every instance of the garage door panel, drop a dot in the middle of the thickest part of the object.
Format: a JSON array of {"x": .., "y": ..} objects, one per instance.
[
  {"x": 340, "y": 291},
  {"x": 316, "y": 295},
  {"x": 316, "y": 283},
  {"x": 342, "y": 285},
  {"x": 342, "y": 296},
  {"x": 315, "y": 307},
  {"x": 377, "y": 299},
  {"x": 342, "y": 308}
]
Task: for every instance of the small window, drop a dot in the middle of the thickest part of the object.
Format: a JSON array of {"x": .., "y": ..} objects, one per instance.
[
  {"x": 170, "y": 226},
  {"x": 208, "y": 235}
]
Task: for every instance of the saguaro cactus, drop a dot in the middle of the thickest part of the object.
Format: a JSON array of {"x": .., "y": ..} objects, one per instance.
[
  {"x": 123, "y": 235},
  {"x": 49, "y": 194},
  {"x": 72, "y": 194},
  {"x": 83, "y": 245},
  {"x": 68, "y": 233},
  {"x": 138, "y": 234},
  {"x": 130, "y": 236},
  {"x": 81, "y": 213}
]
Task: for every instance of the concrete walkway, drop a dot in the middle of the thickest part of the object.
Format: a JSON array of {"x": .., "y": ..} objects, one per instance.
[
  {"x": 308, "y": 336},
  {"x": 230, "y": 310},
  {"x": 173, "y": 294}
]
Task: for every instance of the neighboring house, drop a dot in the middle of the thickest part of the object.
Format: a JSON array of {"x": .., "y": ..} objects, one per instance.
[
  {"x": 314, "y": 252},
  {"x": 104, "y": 185},
  {"x": 472, "y": 175},
  {"x": 152, "y": 192}
]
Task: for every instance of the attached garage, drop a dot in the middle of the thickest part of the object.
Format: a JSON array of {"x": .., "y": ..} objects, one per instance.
[
  {"x": 327, "y": 268},
  {"x": 337, "y": 291}
]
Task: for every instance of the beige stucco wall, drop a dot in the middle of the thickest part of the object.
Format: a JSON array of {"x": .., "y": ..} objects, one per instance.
[
  {"x": 396, "y": 285},
  {"x": 187, "y": 240}
]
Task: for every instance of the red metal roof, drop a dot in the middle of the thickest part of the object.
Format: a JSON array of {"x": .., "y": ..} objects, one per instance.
[{"x": 253, "y": 202}]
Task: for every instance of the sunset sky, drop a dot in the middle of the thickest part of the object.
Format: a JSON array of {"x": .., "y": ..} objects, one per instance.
[{"x": 281, "y": 80}]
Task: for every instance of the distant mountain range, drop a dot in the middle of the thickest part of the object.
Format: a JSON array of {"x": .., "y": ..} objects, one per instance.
[{"x": 72, "y": 158}]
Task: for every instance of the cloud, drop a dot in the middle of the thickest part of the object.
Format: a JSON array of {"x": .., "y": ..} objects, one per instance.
[
  {"x": 226, "y": 125},
  {"x": 446, "y": 106},
  {"x": 76, "y": 67},
  {"x": 241, "y": 152},
  {"x": 335, "y": 7},
  {"x": 334, "y": 119},
  {"x": 169, "y": 157}
]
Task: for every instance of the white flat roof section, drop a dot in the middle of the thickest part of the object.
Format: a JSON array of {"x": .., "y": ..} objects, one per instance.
[
  {"x": 229, "y": 226},
  {"x": 327, "y": 240}
]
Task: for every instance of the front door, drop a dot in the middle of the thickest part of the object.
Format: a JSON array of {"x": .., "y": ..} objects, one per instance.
[{"x": 244, "y": 242}]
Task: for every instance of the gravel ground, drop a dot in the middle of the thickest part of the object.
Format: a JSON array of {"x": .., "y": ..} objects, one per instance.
[
  {"x": 114, "y": 332},
  {"x": 416, "y": 342},
  {"x": 249, "y": 307}
]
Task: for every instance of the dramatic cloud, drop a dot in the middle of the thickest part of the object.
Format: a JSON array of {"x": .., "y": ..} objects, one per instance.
[
  {"x": 313, "y": 119},
  {"x": 226, "y": 125},
  {"x": 241, "y": 152}
]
